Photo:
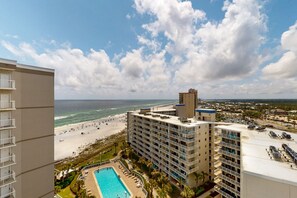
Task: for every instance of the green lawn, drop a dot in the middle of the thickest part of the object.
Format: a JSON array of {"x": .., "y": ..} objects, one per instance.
[{"x": 66, "y": 193}]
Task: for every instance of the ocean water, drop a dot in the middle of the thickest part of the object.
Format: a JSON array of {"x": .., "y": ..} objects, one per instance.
[{"x": 75, "y": 111}]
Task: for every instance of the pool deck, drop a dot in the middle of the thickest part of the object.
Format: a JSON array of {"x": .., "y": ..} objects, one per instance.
[{"x": 92, "y": 185}]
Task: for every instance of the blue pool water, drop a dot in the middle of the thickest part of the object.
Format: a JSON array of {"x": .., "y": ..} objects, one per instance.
[{"x": 110, "y": 184}]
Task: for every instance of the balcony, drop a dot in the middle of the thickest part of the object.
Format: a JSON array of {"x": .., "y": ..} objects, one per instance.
[
  {"x": 187, "y": 147},
  {"x": 231, "y": 189},
  {"x": 234, "y": 155},
  {"x": 235, "y": 146},
  {"x": 7, "y": 179},
  {"x": 218, "y": 189},
  {"x": 231, "y": 136},
  {"x": 217, "y": 172},
  {"x": 217, "y": 164},
  {"x": 7, "y": 142},
  {"x": 7, "y": 161},
  {"x": 192, "y": 162},
  {"x": 229, "y": 162},
  {"x": 232, "y": 181},
  {"x": 9, "y": 194},
  {"x": 7, "y": 123},
  {"x": 7, "y": 84},
  {"x": 7, "y": 105}
]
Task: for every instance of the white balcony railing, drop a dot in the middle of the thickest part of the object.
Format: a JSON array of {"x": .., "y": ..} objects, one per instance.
[
  {"x": 7, "y": 84},
  {"x": 7, "y": 123},
  {"x": 7, "y": 179},
  {"x": 8, "y": 160},
  {"x": 7, "y": 105},
  {"x": 5, "y": 142},
  {"x": 10, "y": 193}
]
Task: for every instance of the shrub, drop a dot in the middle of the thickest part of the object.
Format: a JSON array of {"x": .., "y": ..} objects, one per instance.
[{"x": 66, "y": 182}]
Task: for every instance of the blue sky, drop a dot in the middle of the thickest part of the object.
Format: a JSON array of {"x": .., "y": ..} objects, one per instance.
[{"x": 145, "y": 49}]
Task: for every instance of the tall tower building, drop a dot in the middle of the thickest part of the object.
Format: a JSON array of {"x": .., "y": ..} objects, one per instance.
[
  {"x": 189, "y": 100},
  {"x": 26, "y": 130}
]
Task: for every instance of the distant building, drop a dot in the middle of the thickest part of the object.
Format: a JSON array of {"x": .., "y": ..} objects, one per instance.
[
  {"x": 26, "y": 130},
  {"x": 279, "y": 112},
  {"x": 188, "y": 102}
]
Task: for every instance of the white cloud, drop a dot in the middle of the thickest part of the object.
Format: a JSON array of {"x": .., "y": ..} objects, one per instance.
[
  {"x": 175, "y": 19},
  {"x": 286, "y": 66},
  {"x": 179, "y": 47},
  {"x": 93, "y": 72},
  {"x": 229, "y": 49},
  {"x": 74, "y": 69},
  {"x": 133, "y": 64},
  {"x": 152, "y": 44},
  {"x": 205, "y": 50}
]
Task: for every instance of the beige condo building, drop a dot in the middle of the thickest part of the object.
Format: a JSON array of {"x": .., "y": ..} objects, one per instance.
[
  {"x": 177, "y": 146},
  {"x": 26, "y": 130}
]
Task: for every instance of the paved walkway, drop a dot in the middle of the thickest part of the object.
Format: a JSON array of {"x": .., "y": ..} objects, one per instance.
[{"x": 92, "y": 186}]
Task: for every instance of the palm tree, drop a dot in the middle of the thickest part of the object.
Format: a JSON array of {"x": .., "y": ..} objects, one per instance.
[
  {"x": 149, "y": 186},
  {"x": 168, "y": 187},
  {"x": 124, "y": 145},
  {"x": 155, "y": 174},
  {"x": 197, "y": 177},
  {"x": 162, "y": 192},
  {"x": 162, "y": 179},
  {"x": 115, "y": 144},
  {"x": 204, "y": 174},
  {"x": 80, "y": 184},
  {"x": 181, "y": 182},
  {"x": 128, "y": 152},
  {"x": 149, "y": 164},
  {"x": 187, "y": 192},
  {"x": 142, "y": 160}
]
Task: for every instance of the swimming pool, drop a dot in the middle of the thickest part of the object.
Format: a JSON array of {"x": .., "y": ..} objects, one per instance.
[{"x": 110, "y": 184}]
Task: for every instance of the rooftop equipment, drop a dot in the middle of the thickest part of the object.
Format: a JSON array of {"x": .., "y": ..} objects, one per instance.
[
  {"x": 275, "y": 153},
  {"x": 272, "y": 134},
  {"x": 290, "y": 152},
  {"x": 251, "y": 126},
  {"x": 286, "y": 136}
]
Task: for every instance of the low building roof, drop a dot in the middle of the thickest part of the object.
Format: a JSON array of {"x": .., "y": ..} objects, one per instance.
[
  {"x": 254, "y": 156},
  {"x": 171, "y": 119}
]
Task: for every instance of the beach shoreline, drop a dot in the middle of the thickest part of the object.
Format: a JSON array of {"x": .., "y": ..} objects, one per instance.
[{"x": 71, "y": 139}]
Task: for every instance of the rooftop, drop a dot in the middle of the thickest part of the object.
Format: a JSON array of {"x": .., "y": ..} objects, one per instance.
[
  {"x": 23, "y": 66},
  {"x": 255, "y": 159},
  {"x": 170, "y": 119}
]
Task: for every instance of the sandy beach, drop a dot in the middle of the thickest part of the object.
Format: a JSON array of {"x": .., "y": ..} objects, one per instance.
[{"x": 71, "y": 139}]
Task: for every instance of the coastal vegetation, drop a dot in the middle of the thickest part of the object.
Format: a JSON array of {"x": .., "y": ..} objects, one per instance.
[{"x": 157, "y": 183}]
